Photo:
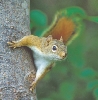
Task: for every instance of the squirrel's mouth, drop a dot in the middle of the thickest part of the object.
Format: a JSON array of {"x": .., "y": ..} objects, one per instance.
[{"x": 60, "y": 58}]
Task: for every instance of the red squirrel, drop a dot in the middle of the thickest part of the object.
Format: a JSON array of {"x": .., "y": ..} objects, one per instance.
[{"x": 48, "y": 49}]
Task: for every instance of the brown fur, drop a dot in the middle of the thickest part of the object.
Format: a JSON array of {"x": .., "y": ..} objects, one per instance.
[{"x": 30, "y": 40}]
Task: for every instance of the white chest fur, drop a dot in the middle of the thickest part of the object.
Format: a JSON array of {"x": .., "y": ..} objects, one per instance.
[{"x": 40, "y": 59}]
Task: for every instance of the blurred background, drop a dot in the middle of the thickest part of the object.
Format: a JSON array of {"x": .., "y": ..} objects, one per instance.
[{"x": 75, "y": 78}]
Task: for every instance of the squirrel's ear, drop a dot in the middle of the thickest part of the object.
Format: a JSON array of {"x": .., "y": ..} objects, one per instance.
[
  {"x": 61, "y": 39},
  {"x": 49, "y": 38}
]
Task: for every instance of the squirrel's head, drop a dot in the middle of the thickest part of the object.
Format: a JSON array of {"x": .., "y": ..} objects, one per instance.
[{"x": 54, "y": 49}]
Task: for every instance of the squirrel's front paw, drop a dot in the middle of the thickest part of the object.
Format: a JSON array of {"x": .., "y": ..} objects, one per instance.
[
  {"x": 33, "y": 85},
  {"x": 12, "y": 44}
]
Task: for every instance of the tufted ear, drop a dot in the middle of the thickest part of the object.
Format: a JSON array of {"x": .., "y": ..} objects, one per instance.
[
  {"x": 49, "y": 38},
  {"x": 61, "y": 39}
]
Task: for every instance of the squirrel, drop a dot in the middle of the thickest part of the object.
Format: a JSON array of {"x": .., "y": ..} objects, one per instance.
[
  {"x": 45, "y": 52},
  {"x": 50, "y": 48}
]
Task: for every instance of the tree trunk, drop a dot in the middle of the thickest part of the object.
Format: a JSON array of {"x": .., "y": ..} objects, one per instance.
[{"x": 14, "y": 63}]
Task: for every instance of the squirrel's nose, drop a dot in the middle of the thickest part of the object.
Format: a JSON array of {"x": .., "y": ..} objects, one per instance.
[{"x": 63, "y": 54}]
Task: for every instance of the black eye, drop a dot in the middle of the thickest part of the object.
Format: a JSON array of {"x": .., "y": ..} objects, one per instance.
[{"x": 54, "y": 48}]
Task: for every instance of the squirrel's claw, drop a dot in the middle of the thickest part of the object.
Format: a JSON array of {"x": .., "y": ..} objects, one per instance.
[
  {"x": 33, "y": 85},
  {"x": 12, "y": 44},
  {"x": 12, "y": 47}
]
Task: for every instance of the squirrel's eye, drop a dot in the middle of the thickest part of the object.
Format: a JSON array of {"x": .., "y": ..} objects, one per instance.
[{"x": 54, "y": 48}]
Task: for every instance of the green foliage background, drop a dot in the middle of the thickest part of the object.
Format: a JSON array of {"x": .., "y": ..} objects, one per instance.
[{"x": 75, "y": 78}]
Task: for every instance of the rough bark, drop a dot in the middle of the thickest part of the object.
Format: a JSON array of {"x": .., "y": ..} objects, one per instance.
[{"x": 14, "y": 63}]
